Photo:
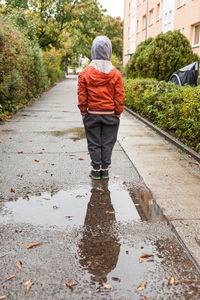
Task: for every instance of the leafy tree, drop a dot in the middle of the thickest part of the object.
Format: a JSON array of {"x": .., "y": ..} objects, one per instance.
[
  {"x": 113, "y": 28},
  {"x": 162, "y": 56}
]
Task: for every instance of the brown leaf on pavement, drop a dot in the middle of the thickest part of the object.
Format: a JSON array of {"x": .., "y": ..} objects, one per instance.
[
  {"x": 3, "y": 297},
  {"x": 19, "y": 264},
  {"x": 33, "y": 245},
  {"x": 20, "y": 152},
  {"x": 144, "y": 298},
  {"x": 69, "y": 285},
  {"x": 171, "y": 280},
  {"x": 69, "y": 218},
  {"x": 40, "y": 152},
  {"x": 20, "y": 176},
  {"x": 36, "y": 160},
  {"x": 107, "y": 286},
  {"x": 81, "y": 159},
  {"x": 30, "y": 141},
  {"x": 184, "y": 281},
  {"x": 63, "y": 235},
  {"x": 142, "y": 286},
  {"x": 55, "y": 207},
  {"x": 110, "y": 212},
  {"x": 10, "y": 277},
  {"x": 146, "y": 257},
  {"x": 12, "y": 190},
  {"x": 18, "y": 230},
  {"x": 184, "y": 223},
  {"x": 28, "y": 284}
]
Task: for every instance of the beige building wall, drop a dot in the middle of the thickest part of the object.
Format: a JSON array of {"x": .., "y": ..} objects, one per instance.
[
  {"x": 187, "y": 20},
  {"x": 126, "y": 33},
  {"x": 150, "y": 21}
]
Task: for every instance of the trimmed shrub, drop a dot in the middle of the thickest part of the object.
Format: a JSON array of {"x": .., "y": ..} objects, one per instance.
[
  {"x": 54, "y": 65},
  {"x": 160, "y": 57},
  {"x": 22, "y": 71},
  {"x": 172, "y": 108}
]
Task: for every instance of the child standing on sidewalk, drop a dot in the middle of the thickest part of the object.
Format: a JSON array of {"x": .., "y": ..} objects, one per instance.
[{"x": 101, "y": 101}]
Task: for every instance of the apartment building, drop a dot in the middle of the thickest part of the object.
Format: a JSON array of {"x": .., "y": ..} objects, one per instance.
[{"x": 147, "y": 18}]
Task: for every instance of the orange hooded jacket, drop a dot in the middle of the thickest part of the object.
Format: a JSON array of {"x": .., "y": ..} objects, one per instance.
[{"x": 100, "y": 93}]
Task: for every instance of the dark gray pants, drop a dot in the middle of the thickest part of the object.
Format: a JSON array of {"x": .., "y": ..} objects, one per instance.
[{"x": 101, "y": 132}]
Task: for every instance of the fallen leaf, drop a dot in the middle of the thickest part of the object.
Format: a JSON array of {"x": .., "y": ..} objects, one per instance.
[
  {"x": 100, "y": 189},
  {"x": 184, "y": 223},
  {"x": 55, "y": 207},
  {"x": 46, "y": 171},
  {"x": 190, "y": 162},
  {"x": 107, "y": 286},
  {"x": 81, "y": 159},
  {"x": 30, "y": 141},
  {"x": 69, "y": 218},
  {"x": 33, "y": 245},
  {"x": 19, "y": 264},
  {"x": 171, "y": 280},
  {"x": 63, "y": 235},
  {"x": 69, "y": 285},
  {"x": 46, "y": 198},
  {"x": 184, "y": 281},
  {"x": 36, "y": 160},
  {"x": 3, "y": 297},
  {"x": 29, "y": 284},
  {"x": 144, "y": 298},
  {"x": 20, "y": 152},
  {"x": 20, "y": 176},
  {"x": 151, "y": 202},
  {"x": 12, "y": 190},
  {"x": 110, "y": 212},
  {"x": 116, "y": 279},
  {"x": 53, "y": 164},
  {"x": 18, "y": 230},
  {"x": 142, "y": 286},
  {"x": 10, "y": 277},
  {"x": 40, "y": 152},
  {"x": 146, "y": 257},
  {"x": 116, "y": 176}
]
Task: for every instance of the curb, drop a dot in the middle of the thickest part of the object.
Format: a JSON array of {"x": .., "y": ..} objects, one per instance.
[{"x": 167, "y": 136}]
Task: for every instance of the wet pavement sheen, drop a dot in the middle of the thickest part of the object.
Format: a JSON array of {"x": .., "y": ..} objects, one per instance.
[{"x": 92, "y": 233}]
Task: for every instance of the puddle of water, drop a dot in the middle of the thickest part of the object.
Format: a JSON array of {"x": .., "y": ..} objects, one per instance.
[
  {"x": 73, "y": 207},
  {"x": 75, "y": 134}
]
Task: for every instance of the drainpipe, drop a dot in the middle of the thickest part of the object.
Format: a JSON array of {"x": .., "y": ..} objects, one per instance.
[{"x": 147, "y": 8}]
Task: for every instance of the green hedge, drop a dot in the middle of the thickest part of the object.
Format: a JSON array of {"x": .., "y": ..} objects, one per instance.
[
  {"x": 172, "y": 108},
  {"x": 22, "y": 71}
]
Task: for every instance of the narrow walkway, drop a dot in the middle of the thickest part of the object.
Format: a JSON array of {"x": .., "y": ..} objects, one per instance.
[{"x": 173, "y": 177}]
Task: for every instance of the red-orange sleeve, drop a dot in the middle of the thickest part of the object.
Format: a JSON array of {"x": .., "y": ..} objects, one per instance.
[
  {"x": 82, "y": 93},
  {"x": 119, "y": 95}
]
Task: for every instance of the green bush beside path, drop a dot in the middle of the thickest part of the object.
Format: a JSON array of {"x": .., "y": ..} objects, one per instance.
[{"x": 172, "y": 108}]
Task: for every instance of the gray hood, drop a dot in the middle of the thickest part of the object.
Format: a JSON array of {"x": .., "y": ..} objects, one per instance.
[
  {"x": 101, "y": 48},
  {"x": 101, "y": 54}
]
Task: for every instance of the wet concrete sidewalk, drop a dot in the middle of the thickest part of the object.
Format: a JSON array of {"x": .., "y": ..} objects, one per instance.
[
  {"x": 92, "y": 234},
  {"x": 172, "y": 176}
]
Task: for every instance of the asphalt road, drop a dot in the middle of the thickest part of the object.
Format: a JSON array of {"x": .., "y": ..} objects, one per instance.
[{"x": 91, "y": 234}]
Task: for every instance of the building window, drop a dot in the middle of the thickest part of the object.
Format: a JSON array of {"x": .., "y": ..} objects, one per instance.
[
  {"x": 180, "y": 3},
  {"x": 170, "y": 17},
  {"x": 144, "y": 21},
  {"x": 182, "y": 30},
  {"x": 151, "y": 17},
  {"x": 196, "y": 35},
  {"x": 158, "y": 12}
]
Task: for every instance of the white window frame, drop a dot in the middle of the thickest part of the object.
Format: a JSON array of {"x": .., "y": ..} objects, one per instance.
[
  {"x": 194, "y": 45},
  {"x": 151, "y": 16}
]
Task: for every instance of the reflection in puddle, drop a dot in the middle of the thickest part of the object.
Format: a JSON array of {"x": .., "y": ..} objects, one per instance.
[
  {"x": 52, "y": 209},
  {"x": 75, "y": 134},
  {"x": 99, "y": 247}
]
